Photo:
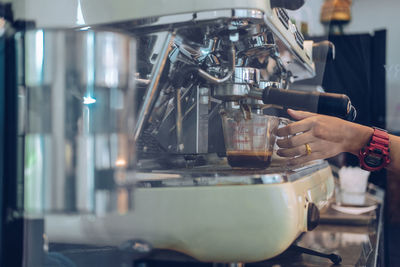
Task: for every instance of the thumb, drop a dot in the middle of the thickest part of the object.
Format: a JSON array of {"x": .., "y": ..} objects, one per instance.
[{"x": 299, "y": 115}]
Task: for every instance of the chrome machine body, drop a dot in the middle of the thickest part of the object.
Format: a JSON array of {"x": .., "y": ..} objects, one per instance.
[{"x": 194, "y": 59}]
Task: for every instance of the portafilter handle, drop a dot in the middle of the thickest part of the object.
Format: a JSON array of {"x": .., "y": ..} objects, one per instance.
[{"x": 338, "y": 105}]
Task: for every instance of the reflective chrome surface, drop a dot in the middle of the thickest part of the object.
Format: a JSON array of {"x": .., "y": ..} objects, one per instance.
[
  {"x": 79, "y": 143},
  {"x": 153, "y": 86},
  {"x": 246, "y": 75},
  {"x": 153, "y": 24},
  {"x": 225, "y": 52},
  {"x": 76, "y": 95},
  {"x": 219, "y": 174},
  {"x": 231, "y": 92}
]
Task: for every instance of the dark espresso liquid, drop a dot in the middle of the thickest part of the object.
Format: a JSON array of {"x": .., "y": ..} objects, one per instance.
[{"x": 249, "y": 159}]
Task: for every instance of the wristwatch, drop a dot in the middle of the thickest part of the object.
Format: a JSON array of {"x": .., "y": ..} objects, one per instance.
[{"x": 375, "y": 155}]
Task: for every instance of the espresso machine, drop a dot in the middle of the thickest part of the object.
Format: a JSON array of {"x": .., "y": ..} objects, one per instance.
[{"x": 193, "y": 170}]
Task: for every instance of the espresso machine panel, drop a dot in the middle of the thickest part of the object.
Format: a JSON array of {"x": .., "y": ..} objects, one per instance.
[{"x": 193, "y": 170}]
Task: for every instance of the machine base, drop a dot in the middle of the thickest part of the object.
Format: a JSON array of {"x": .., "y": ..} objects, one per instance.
[{"x": 218, "y": 223}]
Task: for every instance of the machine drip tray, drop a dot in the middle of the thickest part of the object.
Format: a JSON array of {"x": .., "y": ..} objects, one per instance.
[{"x": 209, "y": 175}]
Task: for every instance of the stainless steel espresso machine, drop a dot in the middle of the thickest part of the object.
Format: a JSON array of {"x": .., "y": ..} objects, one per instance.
[{"x": 195, "y": 171}]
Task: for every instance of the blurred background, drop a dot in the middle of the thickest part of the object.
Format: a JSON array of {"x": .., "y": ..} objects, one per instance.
[{"x": 367, "y": 68}]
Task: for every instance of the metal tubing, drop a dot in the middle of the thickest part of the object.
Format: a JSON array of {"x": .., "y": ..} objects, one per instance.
[
  {"x": 154, "y": 88},
  {"x": 213, "y": 79},
  {"x": 178, "y": 120}
]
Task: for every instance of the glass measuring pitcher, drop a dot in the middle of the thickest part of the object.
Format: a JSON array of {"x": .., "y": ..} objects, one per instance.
[{"x": 249, "y": 139}]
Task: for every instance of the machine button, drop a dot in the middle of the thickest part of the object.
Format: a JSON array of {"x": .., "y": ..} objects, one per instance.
[{"x": 312, "y": 216}]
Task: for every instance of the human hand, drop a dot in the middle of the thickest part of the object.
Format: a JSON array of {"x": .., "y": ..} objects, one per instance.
[{"x": 326, "y": 136}]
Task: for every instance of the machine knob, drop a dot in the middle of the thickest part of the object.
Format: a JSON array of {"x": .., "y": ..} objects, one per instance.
[
  {"x": 135, "y": 249},
  {"x": 287, "y": 4},
  {"x": 312, "y": 216}
]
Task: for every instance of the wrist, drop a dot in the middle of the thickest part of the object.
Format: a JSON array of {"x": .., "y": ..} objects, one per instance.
[{"x": 358, "y": 137}]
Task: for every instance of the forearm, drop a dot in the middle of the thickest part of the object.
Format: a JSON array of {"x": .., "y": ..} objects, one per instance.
[
  {"x": 394, "y": 146},
  {"x": 356, "y": 136}
]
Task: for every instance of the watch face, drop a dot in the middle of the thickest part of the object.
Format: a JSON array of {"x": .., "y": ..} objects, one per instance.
[{"x": 373, "y": 160}]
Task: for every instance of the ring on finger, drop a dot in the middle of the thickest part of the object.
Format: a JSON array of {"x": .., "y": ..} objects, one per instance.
[{"x": 308, "y": 149}]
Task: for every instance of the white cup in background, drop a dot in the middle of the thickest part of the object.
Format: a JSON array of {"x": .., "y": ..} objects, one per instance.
[{"x": 353, "y": 185}]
